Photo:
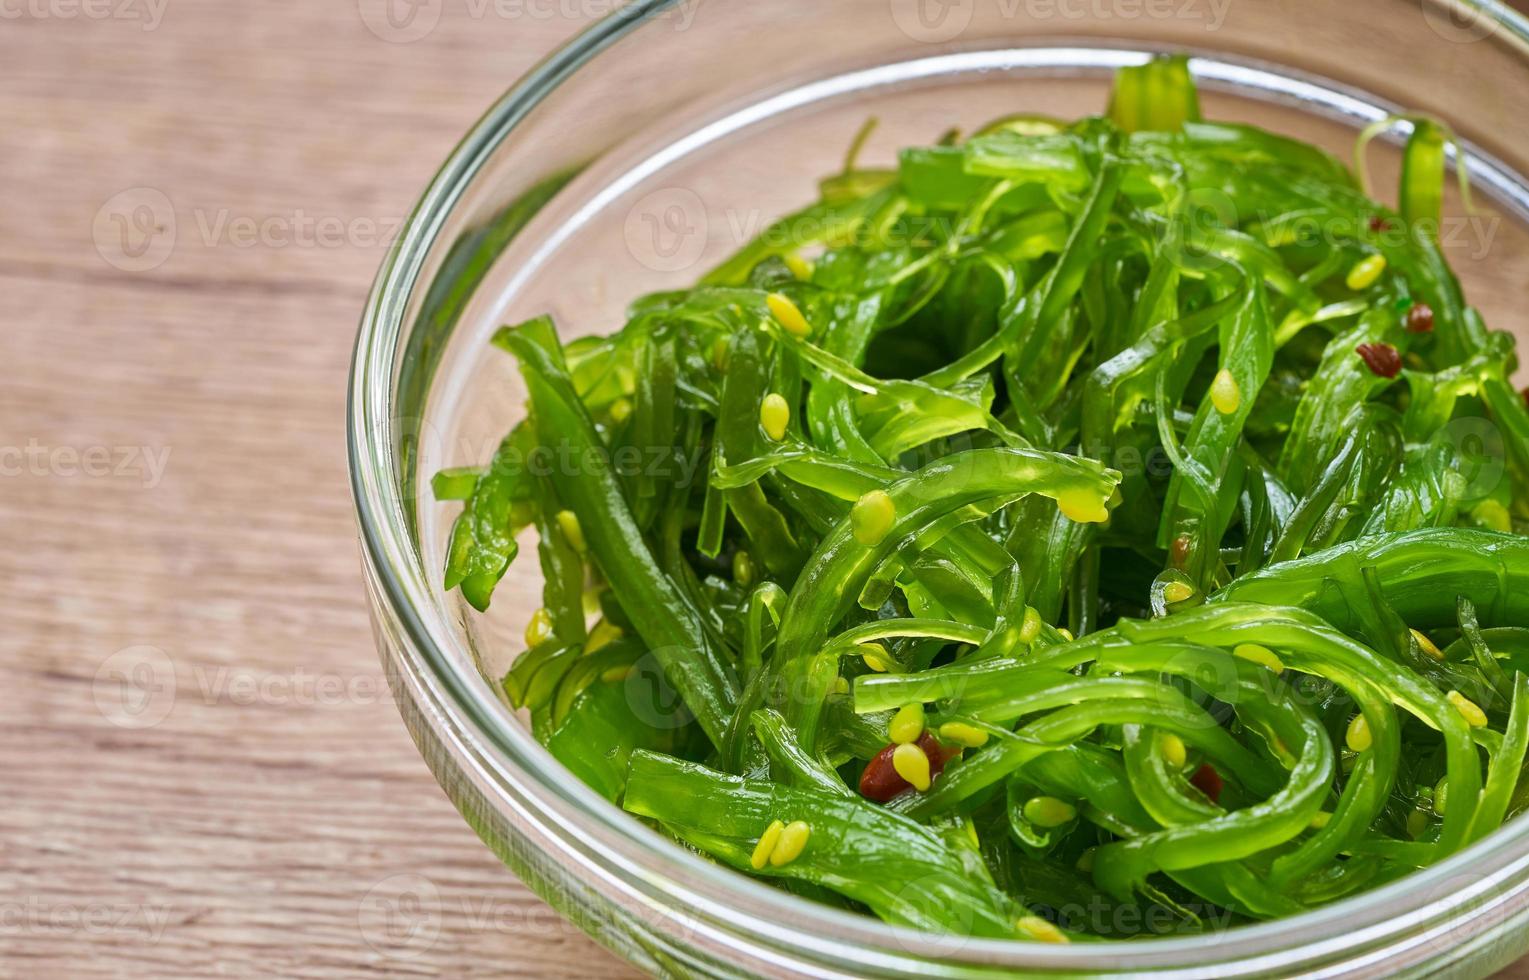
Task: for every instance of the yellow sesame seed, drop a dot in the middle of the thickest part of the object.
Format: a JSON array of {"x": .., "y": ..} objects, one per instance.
[
  {"x": 1048, "y": 811},
  {"x": 1086, "y": 860},
  {"x": 621, "y": 410},
  {"x": 961, "y": 733},
  {"x": 1178, "y": 592},
  {"x": 1174, "y": 752},
  {"x": 907, "y": 724},
  {"x": 1263, "y": 656},
  {"x": 1225, "y": 396},
  {"x": 912, "y": 764},
  {"x": 1358, "y": 735},
  {"x": 788, "y": 314},
  {"x": 774, "y": 414},
  {"x": 876, "y": 657},
  {"x": 602, "y": 635},
  {"x": 1492, "y": 514},
  {"x": 1031, "y": 627},
  {"x": 1036, "y": 928},
  {"x": 841, "y": 685},
  {"x": 616, "y": 673},
  {"x": 568, "y": 521},
  {"x": 1065, "y": 633},
  {"x": 799, "y": 266},
  {"x": 766, "y": 845},
  {"x": 872, "y": 517},
  {"x": 539, "y": 629},
  {"x": 1427, "y": 645},
  {"x": 1468, "y": 709},
  {"x": 1365, "y": 272},
  {"x": 1082, "y": 506},
  {"x": 1417, "y": 822},
  {"x": 1440, "y": 791},
  {"x": 793, "y": 840},
  {"x": 743, "y": 568},
  {"x": 1319, "y": 820}
]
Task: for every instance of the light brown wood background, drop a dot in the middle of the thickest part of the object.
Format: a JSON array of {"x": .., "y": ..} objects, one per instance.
[{"x": 201, "y": 772}]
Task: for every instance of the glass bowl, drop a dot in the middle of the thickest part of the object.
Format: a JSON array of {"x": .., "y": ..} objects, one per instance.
[{"x": 661, "y": 139}]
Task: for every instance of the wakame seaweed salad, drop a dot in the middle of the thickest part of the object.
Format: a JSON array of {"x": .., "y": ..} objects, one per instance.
[{"x": 1077, "y": 530}]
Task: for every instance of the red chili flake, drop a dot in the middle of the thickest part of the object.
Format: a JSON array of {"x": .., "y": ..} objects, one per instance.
[
  {"x": 1178, "y": 554},
  {"x": 880, "y": 781},
  {"x": 1378, "y": 223},
  {"x": 1383, "y": 360},
  {"x": 1208, "y": 781},
  {"x": 1420, "y": 318}
]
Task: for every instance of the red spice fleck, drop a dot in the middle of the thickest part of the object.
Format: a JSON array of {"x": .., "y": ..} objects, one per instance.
[
  {"x": 1378, "y": 222},
  {"x": 880, "y": 780},
  {"x": 1383, "y": 360},
  {"x": 1420, "y": 318},
  {"x": 1208, "y": 781},
  {"x": 1178, "y": 554}
]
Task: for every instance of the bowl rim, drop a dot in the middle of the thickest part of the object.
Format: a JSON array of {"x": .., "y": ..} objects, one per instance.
[{"x": 642, "y": 855}]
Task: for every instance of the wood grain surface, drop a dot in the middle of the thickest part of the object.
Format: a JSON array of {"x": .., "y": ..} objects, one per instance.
[{"x": 201, "y": 770}]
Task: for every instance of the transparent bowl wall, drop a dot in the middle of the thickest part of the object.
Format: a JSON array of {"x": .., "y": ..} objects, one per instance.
[{"x": 662, "y": 139}]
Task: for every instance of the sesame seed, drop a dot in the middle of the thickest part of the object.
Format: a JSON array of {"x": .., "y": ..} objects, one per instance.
[
  {"x": 621, "y": 410},
  {"x": 841, "y": 685},
  {"x": 1178, "y": 592},
  {"x": 766, "y": 845},
  {"x": 1082, "y": 506},
  {"x": 793, "y": 840},
  {"x": 1048, "y": 811},
  {"x": 912, "y": 764},
  {"x": 872, "y": 517},
  {"x": 774, "y": 414},
  {"x": 1224, "y": 393},
  {"x": 743, "y": 568},
  {"x": 1468, "y": 709},
  {"x": 788, "y": 314},
  {"x": 800, "y": 267},
  {"x": 1263, "y": 656},
  {"x": 876, "y": 657},
  {"x": 961, "y": 733},
  {"x": 1440, "y": 791},
  {"x": 539, "y": 629},
  {"x": 1427, "y": 645},
  {"x": 1358, "y": 735},
  {"x": 1036, "y": 928},
  {"x": 568, "y": 522},
  {"x": 1319, "y": 820},
  {"x": 616, "y": 673},
  {"x": 907, "y": 724},
  {"x": 1174, "y": 752},
  {"x": 1365, "y": 272},
  {"x": 1065, "y": 633},
  {"x": 1030, "y": 629}
]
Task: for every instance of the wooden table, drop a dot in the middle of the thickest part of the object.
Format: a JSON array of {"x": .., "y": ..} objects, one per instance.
[{"x": 175, "y": 500}]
